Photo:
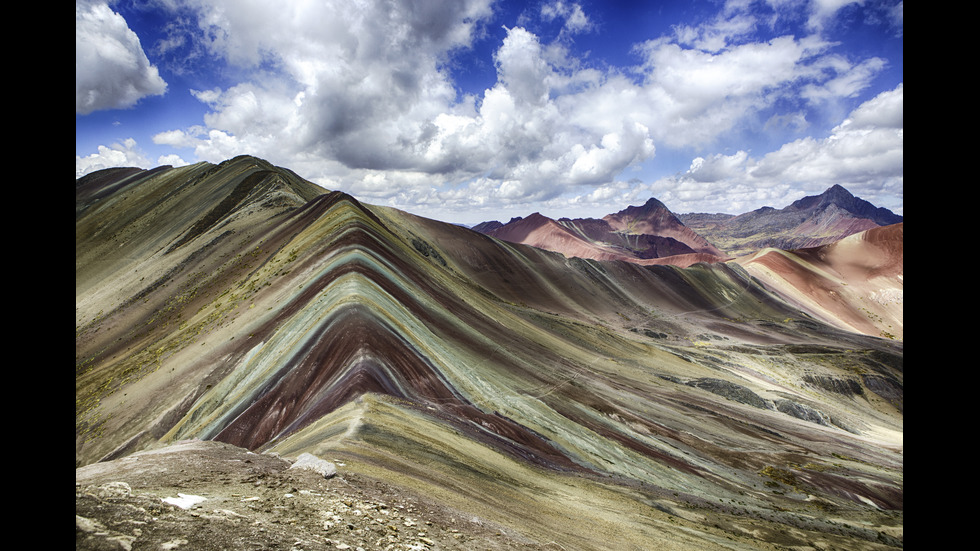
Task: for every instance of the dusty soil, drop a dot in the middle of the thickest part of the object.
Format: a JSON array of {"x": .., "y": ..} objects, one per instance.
[{"x": 255, "y": 501}]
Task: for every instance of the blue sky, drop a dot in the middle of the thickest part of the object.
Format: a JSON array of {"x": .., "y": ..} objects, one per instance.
[{"x": 474, "y": 110}]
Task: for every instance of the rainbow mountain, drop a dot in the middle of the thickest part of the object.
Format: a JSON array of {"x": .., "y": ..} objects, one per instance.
[{"x": 574, "y": 401}]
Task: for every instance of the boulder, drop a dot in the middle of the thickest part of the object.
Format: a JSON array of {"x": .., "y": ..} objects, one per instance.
[{"x": 311, "y": 462}]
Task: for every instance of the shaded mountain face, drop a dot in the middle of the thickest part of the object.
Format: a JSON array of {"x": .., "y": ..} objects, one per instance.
[
  {"x": 838, "y": 196},
  {"x": 566, "y": 400},
  {"x": 808, "y": 222},
  {"x": 648, "y": 234}
]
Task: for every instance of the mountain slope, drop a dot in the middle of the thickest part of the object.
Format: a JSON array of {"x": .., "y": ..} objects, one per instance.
[
  {"x": 568, "y": 400},
  {"x": 808, "y": 222},
  {"x": 856, "y": 283}
]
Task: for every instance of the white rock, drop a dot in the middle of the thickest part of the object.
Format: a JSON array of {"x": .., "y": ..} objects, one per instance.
[
  {"x": 315, "y": 464},
  {"x": 184, "y": 501}
]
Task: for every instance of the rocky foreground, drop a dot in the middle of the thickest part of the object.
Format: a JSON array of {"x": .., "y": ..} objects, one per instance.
[{"x": 208, "y": 495}]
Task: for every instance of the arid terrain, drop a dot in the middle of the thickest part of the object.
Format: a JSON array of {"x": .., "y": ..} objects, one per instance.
[
  {"x": 472, "y": 393},
  {"x": 211, "y": 495}
]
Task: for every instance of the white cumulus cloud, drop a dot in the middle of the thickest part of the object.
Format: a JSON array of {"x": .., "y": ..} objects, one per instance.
[
  {"x": 126, "y": 153},
  {"x": 111, "y": 69},
  {"x": 360, "y": 95},
  {"x": 865, "y": 154}
]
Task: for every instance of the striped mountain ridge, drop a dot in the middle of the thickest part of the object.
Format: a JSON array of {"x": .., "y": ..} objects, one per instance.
[{"x": 238, "y": 302}]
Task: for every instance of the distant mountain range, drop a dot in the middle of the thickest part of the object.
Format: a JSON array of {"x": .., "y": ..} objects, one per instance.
[
  {"x": 808, "y": 222},
  {"x": 647, "y": 234},
  {"x": 652, "y": 234}
]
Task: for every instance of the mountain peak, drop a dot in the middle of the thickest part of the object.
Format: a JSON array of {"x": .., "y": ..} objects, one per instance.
[
  {"x": 653, "y": 202},
  {"x": 652, "y": 205},
  {"x": 653, "y": 213},
  {"x": 839, "y": 196},
  {"x": 835, "y": 194},
  {"x": 808, "y": 222},
  {"x": 838, "y": 192}
]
